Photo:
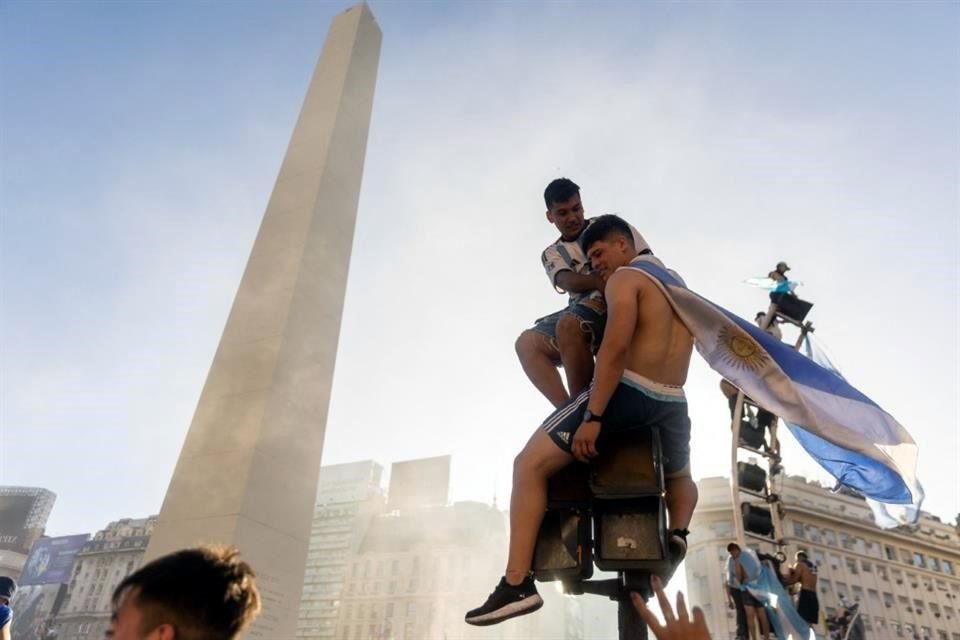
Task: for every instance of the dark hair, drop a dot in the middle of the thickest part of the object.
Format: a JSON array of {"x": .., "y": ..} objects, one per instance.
[
  {"x": 732, "y": 546},
  {"x": 560, "y": 190},
  {"x": 602, "y": 227},
  {"x": 207, "y": 593}
]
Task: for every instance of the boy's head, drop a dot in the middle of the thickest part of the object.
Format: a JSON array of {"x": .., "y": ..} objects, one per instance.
[
  {"x": 207, "y": 593},
  {"x": 564, "y": 208}
]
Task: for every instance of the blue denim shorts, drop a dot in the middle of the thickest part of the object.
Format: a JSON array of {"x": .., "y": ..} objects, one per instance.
[{"x": 592, "y": 321}]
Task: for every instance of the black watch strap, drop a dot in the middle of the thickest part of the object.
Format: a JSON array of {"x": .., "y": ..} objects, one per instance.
[{"x": 589, "y": 416}]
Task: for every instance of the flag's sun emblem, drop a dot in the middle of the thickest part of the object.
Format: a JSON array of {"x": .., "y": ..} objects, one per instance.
[{"x": 740, "y": 350}]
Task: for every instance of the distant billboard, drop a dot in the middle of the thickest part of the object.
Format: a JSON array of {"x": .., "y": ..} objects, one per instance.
[
  {"x": 51, "y": 560},
  {"x": 23, "y": 516}
]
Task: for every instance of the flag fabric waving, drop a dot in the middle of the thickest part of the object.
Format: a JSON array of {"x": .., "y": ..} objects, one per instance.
[{"x": 847, "y": 433}]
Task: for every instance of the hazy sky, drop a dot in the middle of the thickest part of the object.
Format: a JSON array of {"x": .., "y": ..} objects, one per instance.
[{"x": 140, "y": 142}]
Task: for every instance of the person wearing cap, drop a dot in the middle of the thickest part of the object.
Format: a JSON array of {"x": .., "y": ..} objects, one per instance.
[
  {"x": 779, "y": 275},
  {"x": 7, "y": 588},
  {"x": 804, "y": 573}
]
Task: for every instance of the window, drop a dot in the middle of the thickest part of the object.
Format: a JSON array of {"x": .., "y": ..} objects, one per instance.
[
  {"x": 722, "y": 529},
  {"x": 829, "y": 537},
  {"x": 819, "y": 559},
  {"x": 882, "y": 572},
  {"x": 904, "y": 603},
  {"x": 834, "y": 562},
  {"x": 859, "y": 545},
  {"x": 394, "y": 567},
  {"x": 897, "y": 575},
  {"x": 411, "y": 610},
  {"x": 813, "y": 533},
  {"x": 852, "y": 567},
  {"x": 912, "y": 580},
  {"x": 906, "y": 556},
  {"x": 933, "y": 564},
  {"x": 825, "y": 585},
  {"x": 890, "y": 552},
  {"x": 919, "y": 560},
  {"x": 842, "y": 590},
  {"x": 947, "y": 567},
  {"x": 948, "y": 613},
  {"x": 866, "y": 566},
  {"x": 798, "y": 530},
  {"x": 846, "y": 541},
  {"x": 918, "y": 606},
  {"x": 857, "y": 594},
  {"x": 874, "y": 597}
]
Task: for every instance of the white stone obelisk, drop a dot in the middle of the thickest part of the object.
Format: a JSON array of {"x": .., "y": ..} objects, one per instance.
[{"x": 247, "y": 474}]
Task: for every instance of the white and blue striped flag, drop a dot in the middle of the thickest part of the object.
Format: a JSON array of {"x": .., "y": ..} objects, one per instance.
[{"x": 846, "y": 432}]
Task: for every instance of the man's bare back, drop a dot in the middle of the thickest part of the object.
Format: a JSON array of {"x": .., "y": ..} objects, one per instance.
[
  {"x": 806, "y": 577},
  {"x": 661, "y": 346}
]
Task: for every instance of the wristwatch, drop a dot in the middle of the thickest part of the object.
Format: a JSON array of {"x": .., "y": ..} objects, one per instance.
[{"x": 589, "y": 416}]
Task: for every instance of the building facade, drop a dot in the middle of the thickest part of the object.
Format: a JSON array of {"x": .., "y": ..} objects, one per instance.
[
  {"x": 905, "y": 580},
  {"x": 348, "y": 497},
  {"x": 106, "y": 559},
  {"x": 410, "y": 566},
  {"x": 23, "y": 516}
]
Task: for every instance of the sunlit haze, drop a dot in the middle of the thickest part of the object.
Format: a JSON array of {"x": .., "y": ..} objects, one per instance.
[{"x": 140, "y": 142}]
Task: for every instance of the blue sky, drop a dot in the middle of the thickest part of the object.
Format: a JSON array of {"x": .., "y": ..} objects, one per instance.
[{"x": 140, "y": 142}]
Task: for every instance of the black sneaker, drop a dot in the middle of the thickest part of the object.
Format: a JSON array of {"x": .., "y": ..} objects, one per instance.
[{"x": 506, "y": 601}]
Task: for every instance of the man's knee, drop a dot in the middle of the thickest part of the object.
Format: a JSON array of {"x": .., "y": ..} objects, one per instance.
[
  {"x": 532, "y": 344},
  {"x": 571, "y": 333}
]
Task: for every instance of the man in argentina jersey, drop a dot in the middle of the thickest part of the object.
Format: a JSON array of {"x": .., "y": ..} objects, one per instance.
[{"x": 571, "y": 336}]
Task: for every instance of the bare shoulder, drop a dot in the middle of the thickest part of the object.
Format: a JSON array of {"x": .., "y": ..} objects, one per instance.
[{"x": 623, "y": 281}]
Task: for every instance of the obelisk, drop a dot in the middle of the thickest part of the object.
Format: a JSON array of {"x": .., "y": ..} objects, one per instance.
[{"x": 247, "y": 474}]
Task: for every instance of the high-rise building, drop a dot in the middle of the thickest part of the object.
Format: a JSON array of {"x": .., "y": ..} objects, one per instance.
[
  {"x": 111, "y": 555},
  {"x": 410, "y": 569},
  {"x": 23, "y": 515},
  {"x": 415, "y": 484},
  {"x": 247, "y": 473},
  {"x": 905, "y": 580},
  {"x": 348, "y": 497}
]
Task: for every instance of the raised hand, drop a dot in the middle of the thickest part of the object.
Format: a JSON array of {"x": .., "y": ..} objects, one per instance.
[{"x": 677, "y": 626}]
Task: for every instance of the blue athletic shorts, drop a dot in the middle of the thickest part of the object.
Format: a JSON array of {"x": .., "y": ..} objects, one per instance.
[{"x": 637, "y": 403}]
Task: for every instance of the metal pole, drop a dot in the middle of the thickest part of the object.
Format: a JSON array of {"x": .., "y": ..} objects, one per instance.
[{"x": 629, "y": 622}]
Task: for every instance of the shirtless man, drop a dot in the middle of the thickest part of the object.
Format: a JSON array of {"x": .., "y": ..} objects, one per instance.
[
  {"x": 638, "y": 383},
  {"x": 804, "y": 573}
]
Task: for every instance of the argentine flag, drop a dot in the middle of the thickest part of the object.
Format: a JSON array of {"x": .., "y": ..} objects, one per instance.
[{"x": 847, "y": 433}]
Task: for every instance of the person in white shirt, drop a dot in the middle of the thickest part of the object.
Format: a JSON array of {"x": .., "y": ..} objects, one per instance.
[{"x": 569, "y": 337}]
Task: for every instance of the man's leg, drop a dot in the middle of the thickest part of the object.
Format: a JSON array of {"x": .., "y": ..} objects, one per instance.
[
  {"x": 575, "y": 344},
  {"x": 764, "y": 623},
  {"x": 539, "y": 460},
  {"x": 737, "y": 597},
  {"x": 681, "y": 498},
  {"x": 539, "y": 359},
  {"x": 516, "y": 594},
  {"x": 752, "y": 622}
]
